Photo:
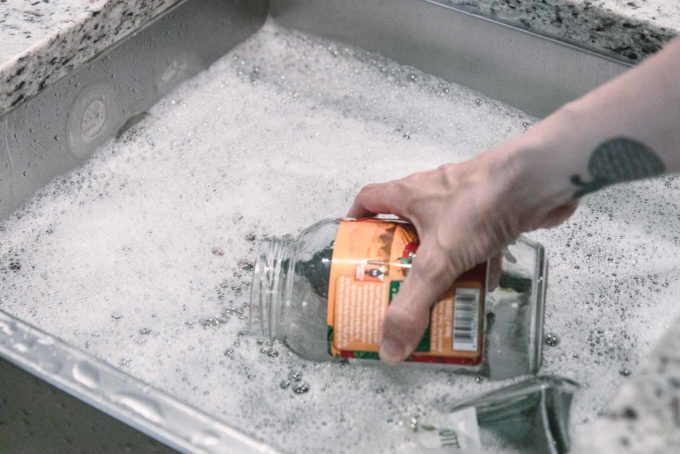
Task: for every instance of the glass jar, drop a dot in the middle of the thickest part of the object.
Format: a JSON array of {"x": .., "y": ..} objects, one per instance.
[
  {"x": 531, "y": 416},
  {"x": 292, "y": 284}
]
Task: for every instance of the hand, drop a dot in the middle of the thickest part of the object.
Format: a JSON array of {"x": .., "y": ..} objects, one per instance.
[{"x": 464, "y": 213}]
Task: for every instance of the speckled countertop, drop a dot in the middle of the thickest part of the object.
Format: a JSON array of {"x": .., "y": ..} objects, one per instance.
[
  {"x": 631, "y": 29},
  {"x": 24, "y": 23},
  {"x": 42, "y": 40}
]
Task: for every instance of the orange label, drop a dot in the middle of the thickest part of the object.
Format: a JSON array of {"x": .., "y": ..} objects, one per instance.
[{"x": 371, "y": 258}]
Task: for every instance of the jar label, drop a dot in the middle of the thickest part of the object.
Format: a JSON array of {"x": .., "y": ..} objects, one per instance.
[{"x": 371, "y": 259}]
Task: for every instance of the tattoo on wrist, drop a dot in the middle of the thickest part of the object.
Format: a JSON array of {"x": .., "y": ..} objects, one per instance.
[{"x": 617, "y": 160}]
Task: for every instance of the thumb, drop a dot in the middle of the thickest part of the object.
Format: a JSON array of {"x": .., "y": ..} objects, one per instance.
[{"x": 409, "y": 313}]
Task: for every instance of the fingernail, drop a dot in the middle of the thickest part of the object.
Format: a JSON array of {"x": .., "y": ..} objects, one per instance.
[{"x": 392, "y": 351}]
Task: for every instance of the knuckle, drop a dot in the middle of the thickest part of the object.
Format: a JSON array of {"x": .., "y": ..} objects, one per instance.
[
  {"x": 432, "y": 266},
  {"x": 446, "y": 170},
  {"x": 404, "y": 194},
  {"x": 450, "y": 175},
  {"x": 367, "y": 189},
  {"x": 404, "y": 187}
]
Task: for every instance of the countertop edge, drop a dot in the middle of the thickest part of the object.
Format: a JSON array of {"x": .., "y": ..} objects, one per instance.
[
  {"x": 55, "y": 56},
  {"x": 628, "y": 37}
]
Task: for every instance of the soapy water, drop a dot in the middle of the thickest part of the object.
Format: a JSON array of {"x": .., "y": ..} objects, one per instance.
[{"x": 143, "y": 256}]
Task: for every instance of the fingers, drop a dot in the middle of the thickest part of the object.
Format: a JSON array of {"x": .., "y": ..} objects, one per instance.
[
  {"x": 409, "y": 313},
  {"x": 380, "y": 198}
]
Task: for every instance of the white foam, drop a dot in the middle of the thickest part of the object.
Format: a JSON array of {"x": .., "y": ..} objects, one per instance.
[
  {"x": 613, "y": 288},
  {"x": 117, "y": 257}
]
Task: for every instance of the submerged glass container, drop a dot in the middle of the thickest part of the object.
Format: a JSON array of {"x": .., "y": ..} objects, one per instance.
[
  {"x": 297, "y": 297},
  {"x": 531, "y": 417}
]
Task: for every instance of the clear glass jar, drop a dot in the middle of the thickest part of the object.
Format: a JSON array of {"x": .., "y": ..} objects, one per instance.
[
  {"x": 290, "y": 289},
  {"x": 531, "y": 416}
]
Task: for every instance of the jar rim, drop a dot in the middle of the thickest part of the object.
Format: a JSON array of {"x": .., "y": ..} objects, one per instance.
[{"x": 267, "y": 290}]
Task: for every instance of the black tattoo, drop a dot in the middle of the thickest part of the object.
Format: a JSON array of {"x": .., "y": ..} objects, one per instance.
[{"x": 618, "y": 160}]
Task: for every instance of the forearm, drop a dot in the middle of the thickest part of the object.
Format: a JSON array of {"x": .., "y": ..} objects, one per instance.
[{"x": 627, "y": 129}]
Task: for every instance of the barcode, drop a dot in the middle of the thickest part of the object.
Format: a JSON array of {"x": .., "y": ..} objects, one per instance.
[{"x": 465, "y": 319}]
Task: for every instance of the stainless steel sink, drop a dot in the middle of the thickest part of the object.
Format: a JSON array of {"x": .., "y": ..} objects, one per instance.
[{"x": 58, "y": 129}]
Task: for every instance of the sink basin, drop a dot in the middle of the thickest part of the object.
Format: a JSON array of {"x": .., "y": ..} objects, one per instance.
[{"x": 60, "y": 129}]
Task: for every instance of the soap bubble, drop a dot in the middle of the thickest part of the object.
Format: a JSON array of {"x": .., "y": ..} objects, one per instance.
[{"x": 552, "y": 340}]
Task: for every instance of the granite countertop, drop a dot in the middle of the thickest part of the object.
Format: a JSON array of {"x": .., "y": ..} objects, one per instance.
[
  {"x": 632, "y": 29},
  {"x": 43, "y": 40},
  {"x": 24, "y": 23}
]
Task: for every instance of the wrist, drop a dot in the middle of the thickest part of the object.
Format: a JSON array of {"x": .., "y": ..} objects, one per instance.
[{"x": 533, "y": 170}]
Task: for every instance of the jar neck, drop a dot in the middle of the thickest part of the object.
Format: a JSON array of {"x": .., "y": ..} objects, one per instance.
[{"x": 271, "y": 286}]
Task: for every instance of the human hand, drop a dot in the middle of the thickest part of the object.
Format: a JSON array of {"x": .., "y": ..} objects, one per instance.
[{"x": 464, "y": 213}]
